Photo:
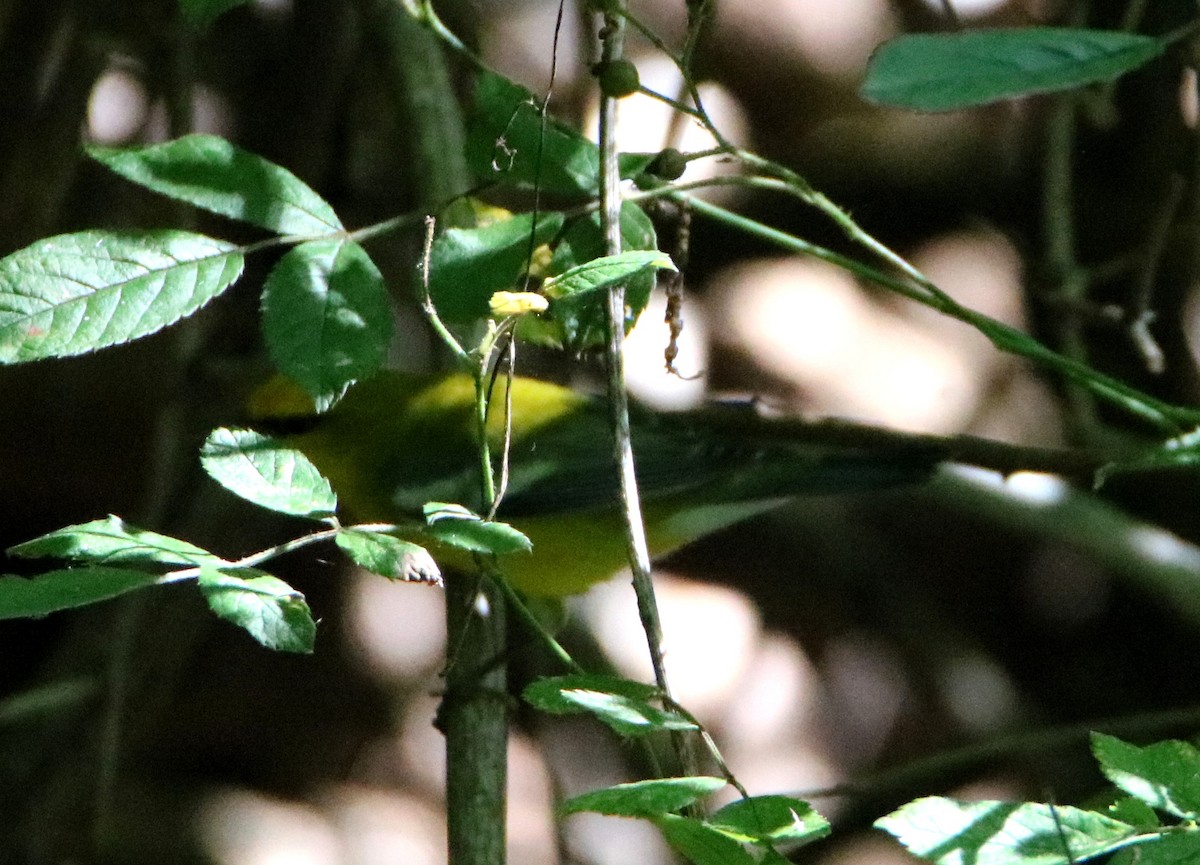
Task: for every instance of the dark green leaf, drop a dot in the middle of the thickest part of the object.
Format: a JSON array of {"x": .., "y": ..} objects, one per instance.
[
  {"x": 580, "y": 321},
  {"x": 770, "y": 820},
  {"x": 267, "y": 608},
  {"x": 75, "y": 293},
  {"x": 468, "y": 265},
  {"x": 60, "y": 590},
  {"x": 621, "y": 704},
  {"x": 605, "y": 271},
  {"x": 1182, "y": 452},
  {"x": 267, "y": 472},
  {"x": 548, "y": 694},
  {"x": 645, "y": 798},
  {"x": 201, "y": 13},
  {"x": 1135, "y": 812},
  {"x": 1173, "y": 849},
  {"x": 207, "y": 171},
  {"x": 505, "y": 140},
  {"x": 949, "y": 832},
  {"x": 112, "y": 541},
  {"x": 701, "y": 844},
  {"x": 1165, "y": 775},
  {"x": 948, "y": 71},
  {"x": 389, "y": 556},
  {"x": 458, "y": 527},
  {"x": 326, "y": 317}
]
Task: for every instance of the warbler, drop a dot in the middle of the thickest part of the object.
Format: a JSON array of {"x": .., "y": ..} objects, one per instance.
[{"x": 397, "y": 441}]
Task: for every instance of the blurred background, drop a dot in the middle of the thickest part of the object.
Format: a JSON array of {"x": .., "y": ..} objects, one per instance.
[{"x": 834, "y": 642}]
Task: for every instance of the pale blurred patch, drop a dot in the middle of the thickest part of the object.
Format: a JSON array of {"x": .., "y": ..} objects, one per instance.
[
  {"x": 117, "y": 107},
  {"x": 399, "y": 628},
  {"x": 810, "y": 324},
  {"x": 517, "y": 37},
  {"x": 376, "y": 826},
  {"x": 709, "y": 633},
  {"x": 835, "y": 37},
  {"x": 240, "y": 827}
]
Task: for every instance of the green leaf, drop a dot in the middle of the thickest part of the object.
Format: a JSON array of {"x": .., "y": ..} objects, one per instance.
[
  {"x": 1135, "y": 812},
  {"x": 1181, "y": 452},
  {"x": 606, "y": 271},
  {"x": 1174, "y": 849},
  {"x": 263, "y": 470},
  {"x": 389, "y": 556},
  {"x": 22, "y": 597},
  {"x": 458, "y": 527},
  {"x": 468, "y": 265},
  {"x": 949, "y": 71},
  {"x": 1165, "y": 775},
  {"x": 701, "y": 844},
  {"x": 111, "y": 541},
  {"x": 644, "y": 798},
  {"x": 267, "y": 608},
  {"x": 580, "y": 321},
  {"x": 326, "y": 317},
  {"x": 949, "y": 832},
  {"x": 75, "y": 293},
  {"x": 505, "y": 140},
  {"x": 201, "y": 13},
  {"x": 621, "y": 704},
  {"x": 770, "y": 820},
  {"x": 209, "y": 172}
]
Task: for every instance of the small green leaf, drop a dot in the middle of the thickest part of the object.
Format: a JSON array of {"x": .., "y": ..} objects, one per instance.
[
  {"x": 1135, "y": 812},
  {"x": 770, "y": 820},
  {"x": 458, "y": 527},
  {"x": 949, "y": 832},
  {"x": 1165, "y": 775},
  {"x": 506, "y": 144},
  {"x": 209, "y": 172},
  {"x": 22, "y": 598},
  {"x": 1169, "y": 849},
  {"x": 326, "y": 317},
  {"x": 111, "y": 541},
  {"x": 701, "y": 844},
  {"x": 644, "y": 798},
  {"x": 949, "y": 71},
  {"x": 75, "y": 293},
  {"x": 389, "y": 556},
  {"x": 266, "y": 472},
  {"x": 468, "y": 265},
  {"x": 580, "y": 321},
  {"x": 201, "y": 13},
  {"x": 602, "y": 272},
  {"x": 621, "y": 704},
  {"x": 267, "y": 608}
]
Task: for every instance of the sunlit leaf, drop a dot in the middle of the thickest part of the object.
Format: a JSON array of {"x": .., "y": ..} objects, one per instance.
[
  {"x": 770, "y": 820},
  {"x": 645, "y": 798},
  {"x": 267, "y": 608},
  {"x": 268, "y": 473},
  {"x": 949, "y": 832},
  {"x": 75, "y": 293},
  {"x": 458, "y": 527},
  {"x": 1164, "y": 775},
  {"x": 326, "y": 317},
  {"x": 701, "y": 844},
  {"x": 209, "y": 172},
  {"x": 621, "y": 704},
  {"x": 113, "y": 541},
  {"x": 389, "y": 556}
]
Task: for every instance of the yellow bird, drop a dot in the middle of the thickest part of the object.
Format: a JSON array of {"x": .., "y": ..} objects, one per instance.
[{"x": 398, "y": 441}]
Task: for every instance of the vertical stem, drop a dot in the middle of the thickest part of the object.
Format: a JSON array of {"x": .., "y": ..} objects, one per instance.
[{"x": 612, "y": 39}]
